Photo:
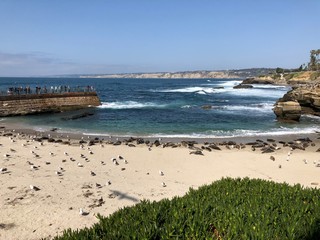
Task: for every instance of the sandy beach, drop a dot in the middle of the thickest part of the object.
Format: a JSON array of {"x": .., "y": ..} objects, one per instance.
[{"x": 103, "y": 177}]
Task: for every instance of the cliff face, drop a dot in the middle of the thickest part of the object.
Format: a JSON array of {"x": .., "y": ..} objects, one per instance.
[
  {"x": 305, "y": 98},
  {"x": 31, "y": 104},
  {"x": 193, "y": 74}
]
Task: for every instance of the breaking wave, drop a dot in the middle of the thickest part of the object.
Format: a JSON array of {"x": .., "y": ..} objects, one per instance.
[{"x": 129, "y": 105}]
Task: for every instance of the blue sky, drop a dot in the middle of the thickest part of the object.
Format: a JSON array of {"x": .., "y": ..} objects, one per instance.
[{"x": 99, "y": 36}]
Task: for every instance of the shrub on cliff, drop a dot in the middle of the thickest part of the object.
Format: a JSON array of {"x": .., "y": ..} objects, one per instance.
[{"x": 226, "y": 209}]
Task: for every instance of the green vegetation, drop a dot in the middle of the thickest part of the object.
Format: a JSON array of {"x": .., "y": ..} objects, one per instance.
[
  {"x": 226, "y": 209},
  {"x": 314, "y": 64}
]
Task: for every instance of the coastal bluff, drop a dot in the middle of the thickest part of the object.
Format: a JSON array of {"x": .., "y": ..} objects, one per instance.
[{"x": 12, "y": 105}]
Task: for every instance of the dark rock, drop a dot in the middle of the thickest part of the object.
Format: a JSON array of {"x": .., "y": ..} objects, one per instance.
[
  {"x": 206, "y": 107},
  {"x": 82, "y": 115},
  {"x": 240, "y": 86}
]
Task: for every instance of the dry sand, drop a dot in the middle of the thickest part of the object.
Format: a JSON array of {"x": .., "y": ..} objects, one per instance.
[{"x": 30, "y": 214}]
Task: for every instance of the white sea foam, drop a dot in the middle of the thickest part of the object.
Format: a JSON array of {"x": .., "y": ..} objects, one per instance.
[
  {"x": 200, "y": 90},
  {"x": 262, "y": 107},
  {"x": 129, "y": 105},
  {"x": 229, "y": 83},
  {"x": 242, "y": 133}
]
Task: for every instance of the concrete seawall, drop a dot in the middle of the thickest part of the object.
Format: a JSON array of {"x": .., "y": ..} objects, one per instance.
[{"x": 12, "y": 105}]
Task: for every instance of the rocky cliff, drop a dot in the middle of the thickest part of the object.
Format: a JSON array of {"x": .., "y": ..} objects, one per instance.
[
  {"x": 302, "y": 99},
  {"x": 39, "y": 103},
  {"x": 193, "y": 74}
]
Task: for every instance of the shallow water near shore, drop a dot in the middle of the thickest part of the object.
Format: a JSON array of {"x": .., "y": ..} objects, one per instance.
[{"x": 177, "y": 108}]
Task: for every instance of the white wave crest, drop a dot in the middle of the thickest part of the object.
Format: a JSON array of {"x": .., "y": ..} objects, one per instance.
[
  {"x": 129, "y": 105},
  {"x": 200, "y": 90}
]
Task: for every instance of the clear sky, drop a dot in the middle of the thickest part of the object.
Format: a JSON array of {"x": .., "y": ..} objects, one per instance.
[{"x": 52, "y": 37}]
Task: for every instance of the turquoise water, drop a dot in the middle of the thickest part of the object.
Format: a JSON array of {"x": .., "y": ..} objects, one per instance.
[{"x": 168, "y": 107}]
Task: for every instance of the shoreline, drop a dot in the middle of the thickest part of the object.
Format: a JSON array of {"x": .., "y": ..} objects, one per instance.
[
  {"x": 102, "y": 185},
  {"x": 58, "y": 133}
]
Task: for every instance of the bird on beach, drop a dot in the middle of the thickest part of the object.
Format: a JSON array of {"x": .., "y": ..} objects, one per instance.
[
  {"x": 108, "y": 182},
  {"x": 280, "y": 166},
  {"x": 2, "y": 170},
  {"x": 115, "y": 162},
  {"x": 82, "y": 212},
  {"x": 80, "y": 165},
  {"x": 6, "y": 155},
  {"x": 288, "y": 158},
  {"x": 41, "y": 143},
  {"x": 272, "y": 158},
  {"x": 161, "y": 173},
  {"x": 33, "y": 167},
  {"x": 51, "y": 153},
  {"x": 65, "y": 153},
  {"x": 98, "y": 185},
  {"x": 102, "y": 162},
  {"x": 58, "y": 173},
  {"x": 35, "y": 188},
  {"x": 305, "y": 161},
  {"x": 163, "y": 184},
  {"x": 120, "y": 157},
  {"x": 125, "y": 161},
  {"x": 92, "y": 173}
]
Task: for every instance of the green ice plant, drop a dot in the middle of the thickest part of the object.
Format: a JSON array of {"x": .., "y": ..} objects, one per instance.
[{"x": 226, "y": 209}]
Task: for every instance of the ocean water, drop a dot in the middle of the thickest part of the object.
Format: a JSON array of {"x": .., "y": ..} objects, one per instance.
[{"x": 167, "y": 108}]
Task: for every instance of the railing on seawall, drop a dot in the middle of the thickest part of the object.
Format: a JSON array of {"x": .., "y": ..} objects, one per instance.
[{"x": 19, "y": 91}]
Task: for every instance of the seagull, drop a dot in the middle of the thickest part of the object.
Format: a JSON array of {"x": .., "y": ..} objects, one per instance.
[
  {"x": 35, "y": 147},
  {"x": 90, "y": 152},
  {"x": 72, "y": 159},
  {"x": 47, "y": 163},
  {"x": 120, "y": 157},
  {"x": 80, "y": 165},
  {"x": 30, "y": 163},
  {"x": 65, "y": 153},
  {"x": 161, "y": 173},
  {"x": 113, "y": 159},
  {"x": 61, "y": 169},
  {"x": 41, "y": 143},
  {"x": 2, "y": 170},
  {"x": 23, "y": 145},
  {"x": 82, "y": 212},
  {"x": 108, "y": 182},
  {"x": 98, "y": 185},
  {"x": 58, "y": 173},
  {"x": 51, "y": 153},
  {"x": 272, "y": 158},
  {"x": 34, "y": 188},
  {"x": 33, "y": 167},
  {"x": 125, "y": 161},
  {"x": 163, "y": 184},
  {"x": 102, "y": 162},
  {"x": 6, "y": 155},
  {"x": 92, "y": 173},
  {"x": 115, "y": 162},
  {"x": 81, "y": 155}
]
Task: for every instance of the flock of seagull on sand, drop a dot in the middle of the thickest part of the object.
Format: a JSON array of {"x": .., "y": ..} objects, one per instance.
[{"x": 60, "y": 171}]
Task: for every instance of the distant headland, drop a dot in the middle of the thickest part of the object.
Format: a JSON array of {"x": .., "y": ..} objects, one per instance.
[{"x": 227, "y": 74}]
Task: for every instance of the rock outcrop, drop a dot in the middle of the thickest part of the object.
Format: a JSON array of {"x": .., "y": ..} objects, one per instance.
[
  {"x": 287, "y": 111},
  {"x": 302, "y": 98}
]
